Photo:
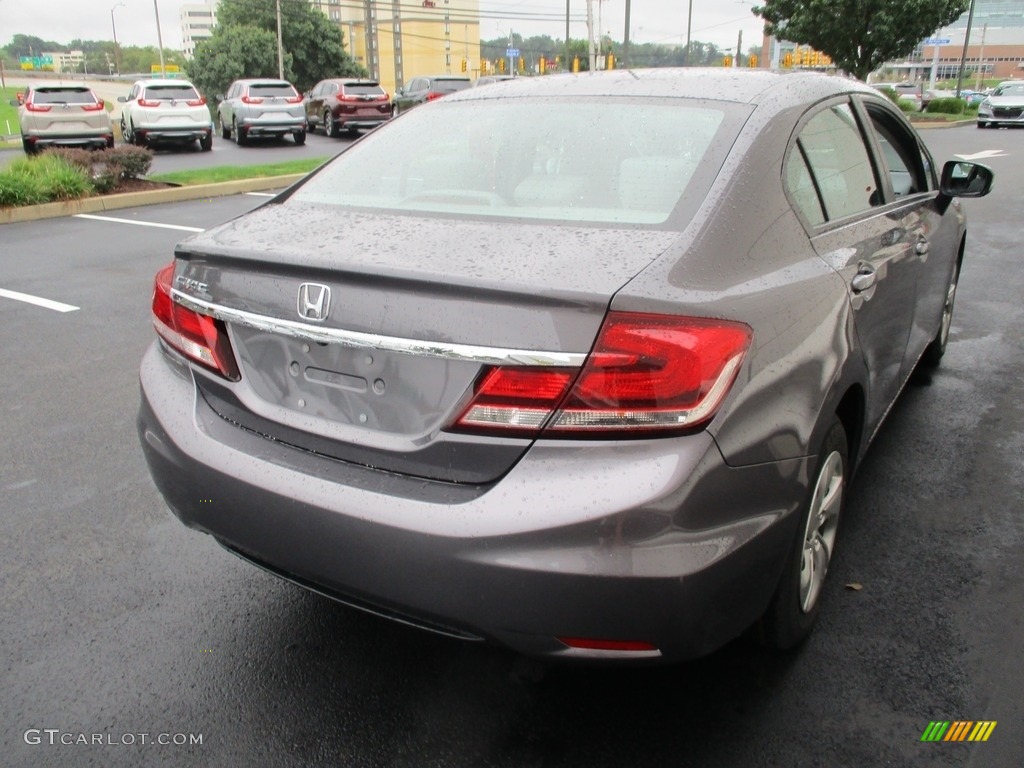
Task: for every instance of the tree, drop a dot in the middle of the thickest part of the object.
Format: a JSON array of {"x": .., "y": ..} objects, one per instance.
[
  {"x": 859, "y": 35},
  {"x": 313, "y": 42},
  {"x": 232, "y": 53}
]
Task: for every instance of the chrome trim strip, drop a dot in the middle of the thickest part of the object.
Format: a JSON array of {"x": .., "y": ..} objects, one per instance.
[{"x": 359, "y": 340}]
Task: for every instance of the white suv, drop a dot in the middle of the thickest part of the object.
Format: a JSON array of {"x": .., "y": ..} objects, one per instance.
[{"x": 165, "y": 110}]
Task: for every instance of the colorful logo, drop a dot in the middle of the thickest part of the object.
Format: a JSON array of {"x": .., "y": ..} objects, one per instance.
[{"x": 958, "y": 730}]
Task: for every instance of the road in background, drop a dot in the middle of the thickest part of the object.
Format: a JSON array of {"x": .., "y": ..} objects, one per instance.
[{"x": 118, "y": 621}]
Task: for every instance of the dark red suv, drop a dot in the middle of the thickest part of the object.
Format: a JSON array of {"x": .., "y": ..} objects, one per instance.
[{"x": 346, "y": 105}]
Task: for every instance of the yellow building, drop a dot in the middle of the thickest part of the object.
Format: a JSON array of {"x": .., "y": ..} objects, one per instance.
[{"x": 406, "y": 40}]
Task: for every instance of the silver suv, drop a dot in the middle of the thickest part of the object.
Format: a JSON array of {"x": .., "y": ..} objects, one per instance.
[
  {"x": 262, "y": 108},
  {"x": 165, "y": 111},
  {"x": 64, "y": 115}
]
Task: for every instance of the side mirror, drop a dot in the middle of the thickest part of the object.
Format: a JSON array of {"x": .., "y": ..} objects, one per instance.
[
  {"x": 219, "y": 97},
  {"x": 123, "y": 99},
  {"x": 15, "y": 102},
  {"x": 963, "y": 179}
]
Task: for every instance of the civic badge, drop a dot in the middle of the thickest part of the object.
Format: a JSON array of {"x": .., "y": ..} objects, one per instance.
[{"x": 314, "y": 302}]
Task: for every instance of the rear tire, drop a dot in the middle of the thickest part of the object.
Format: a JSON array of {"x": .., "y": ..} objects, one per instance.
[
  {"x": 937, "y": 347},
  {"x": 794, "y": 608},
  {"x": 29, "y": 147},
  {"x": 206, "y": 143},
  {"x": 241, "y": 137},
  {"x": 225, "y": 132},
  {"x": 299, "y": 138},
  {"x": 330, "y": 128}
]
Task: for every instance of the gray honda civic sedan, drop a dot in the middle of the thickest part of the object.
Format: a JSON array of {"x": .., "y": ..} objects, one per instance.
[{"x": 582, "y": 366}]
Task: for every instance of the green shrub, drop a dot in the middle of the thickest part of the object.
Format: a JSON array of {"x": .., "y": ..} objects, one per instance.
[
  {"x": 906, "y": 105},
  {"x": 43, "y": 179},
  {"x": 950, "y": 106},
  {"x": 109, "y": 167}
]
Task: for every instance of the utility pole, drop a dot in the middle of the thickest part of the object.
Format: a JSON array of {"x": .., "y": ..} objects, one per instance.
[
  {"x": 625, "y": 40},
  {"x": 739, "y": 49},
  {"x": 160, "y": 41},
  {"x": 280, "y": 48},
  {"x": 591, "y": 52},
  {"x": 963, "y": 53},
  {"x": 689, "y": 24}
]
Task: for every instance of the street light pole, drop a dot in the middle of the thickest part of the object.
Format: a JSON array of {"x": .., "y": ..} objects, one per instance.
[
  {"x": 689, "y": 23},
  {"x": 113, "y": 28},
  {"x": 160, "y": 41}
]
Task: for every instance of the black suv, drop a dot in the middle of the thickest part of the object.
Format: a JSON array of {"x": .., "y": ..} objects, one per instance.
[{"x": 422, "y": 89}]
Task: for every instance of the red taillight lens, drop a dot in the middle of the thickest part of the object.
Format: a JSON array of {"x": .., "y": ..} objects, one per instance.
[
  {"x": 646, "y": 374},
  {"x": 434, "y": 95},
  {"x": 37, "y": 107},
  {"x": 294, "y": 99},
  {"x": 201, "y": 101},
  {"x": 149, "y": 102},
  {"x": 97, "y": 107},
  {"x": 620, "y": 646},
  {"x": 198, "y": 337},
  {"x": 246, "y": 100}
]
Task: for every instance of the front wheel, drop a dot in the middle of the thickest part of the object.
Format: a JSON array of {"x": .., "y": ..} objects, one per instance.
[{"x": 794, "y": 607}]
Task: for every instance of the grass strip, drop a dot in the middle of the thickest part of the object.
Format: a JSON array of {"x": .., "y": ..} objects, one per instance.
[{"x": 235, "y": 172}]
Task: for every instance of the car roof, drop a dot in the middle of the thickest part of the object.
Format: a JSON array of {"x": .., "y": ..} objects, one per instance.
[
  {"x": 350, "y": 81},
  {"x": 165, "y": 81},
  {"x": 263, "y": 81},
  {"x": 744, "y": 86}
]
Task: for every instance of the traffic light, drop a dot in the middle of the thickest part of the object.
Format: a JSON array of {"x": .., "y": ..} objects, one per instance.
[
  {"x": 522, "y": 65},
  {"x": 543, "y": 64},
  {"x": 752, "y": 60},
  {"x": 787, "y": 59},
  {"x": 806, "y": 56},
  {"x": 464, "y": 65},
  {"x": 576, "y": 64},
  {"x": 483, "y": 66},
  {"x": 609, "y": 62},
  {"x": 501, "y": 65},
  {"x": 727, "y": 61}
]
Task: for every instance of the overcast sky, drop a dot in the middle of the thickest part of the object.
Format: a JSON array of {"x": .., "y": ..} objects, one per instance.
[{"x": 664, "y": 21}]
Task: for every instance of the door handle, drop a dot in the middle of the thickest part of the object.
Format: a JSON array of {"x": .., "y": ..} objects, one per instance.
[
  {"x": 864, "y": 279},
  {"x": 922, "y": 247}
]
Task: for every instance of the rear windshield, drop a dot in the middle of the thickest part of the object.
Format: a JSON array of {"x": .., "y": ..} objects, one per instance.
[
  {"x": 178, "y": 92},
  {"x": 63, "y": 96},
  {"x": 269, "y": 90},
  {"x": 450, "y": 86},
  {"x": 363, "y": 89},
  {"x": 587, "y": 160}
]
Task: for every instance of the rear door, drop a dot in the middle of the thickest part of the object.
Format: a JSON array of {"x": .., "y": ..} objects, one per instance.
[{"x": 833, "y": 182}]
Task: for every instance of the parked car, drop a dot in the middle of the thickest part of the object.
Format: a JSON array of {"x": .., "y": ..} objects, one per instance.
[
  {"x": 62, "y": 115},
  {"x": 1004, "y": 106},
  {"x": 585, "y": 394},
  {"x": 165, "y": 111},
  {"x": 347, "y": 105},
  {"x": 489, "y": 79},
  {"x": 262, "y": 107},
  {"x": 420, "y": 90}
]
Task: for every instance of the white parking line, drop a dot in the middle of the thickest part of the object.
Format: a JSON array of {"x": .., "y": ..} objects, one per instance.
[
  {"x": 261, "y": 194},
  {"x": 116, "y": 220},
  {"x": 56, "y": 306}
]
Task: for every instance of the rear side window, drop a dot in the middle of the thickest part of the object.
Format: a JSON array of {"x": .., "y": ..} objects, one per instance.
[
  {"x": 63, "y": 96},
  {"x": 450, "y": 86},
  {"x": 834, "y": 151},
  {"x": 269, "y": 90},
  {"x": 168, "y": 92}
]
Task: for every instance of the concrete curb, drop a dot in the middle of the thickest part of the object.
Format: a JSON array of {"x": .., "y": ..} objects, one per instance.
[{"x": 133, "y": 199}]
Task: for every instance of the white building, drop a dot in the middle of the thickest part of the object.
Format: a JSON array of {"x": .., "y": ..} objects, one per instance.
[{"x": 197, "y": 23}]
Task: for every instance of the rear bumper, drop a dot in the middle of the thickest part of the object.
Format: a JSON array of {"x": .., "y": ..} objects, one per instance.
[
  {"x": 657, "y": 541},
  {"x": 273, "y": 127},
  {"x": 100, "y": 138},
  {"x": 181, "y": 133},
  {"x": 348, "y": 122}
]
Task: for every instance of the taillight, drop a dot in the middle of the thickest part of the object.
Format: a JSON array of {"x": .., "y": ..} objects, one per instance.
[
  {"x": 245, "y": 100},
  {"x": 384, "y": 97},
  {"x": 646, "y": 374},
  {"x": 198, "y": 337},
  {"x": 434, "y": 95},
  {"x": 201, "y": 101},
  {"x": 37, "y": 107},
  {"x": 149, "y": 102},
  {"x": 294, "y": 99},
  {"x": 97, "y": 107}
]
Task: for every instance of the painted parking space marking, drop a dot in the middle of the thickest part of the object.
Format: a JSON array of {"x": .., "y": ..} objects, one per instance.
[
  {"x": 38, "y": 301},
  {"x": 158, "y": 225},
  {"x": 261, "y": 194}
]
